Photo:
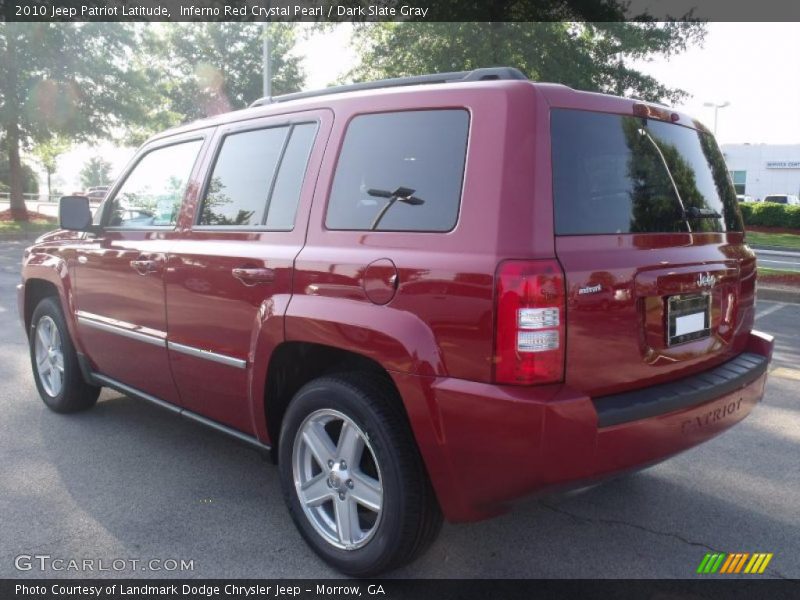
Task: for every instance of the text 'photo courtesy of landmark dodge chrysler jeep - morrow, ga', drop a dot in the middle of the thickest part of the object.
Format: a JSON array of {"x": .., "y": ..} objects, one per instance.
[{"x": 427, "y": 297}]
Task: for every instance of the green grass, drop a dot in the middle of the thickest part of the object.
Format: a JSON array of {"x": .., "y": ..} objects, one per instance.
[
  {"x": 765, "y": 271},
  {"x": 35, "y": 226},
  {"x": 780, "y": 240}
]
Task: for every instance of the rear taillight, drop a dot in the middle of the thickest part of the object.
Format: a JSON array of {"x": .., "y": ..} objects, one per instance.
[{"x": 531, "y": 319}]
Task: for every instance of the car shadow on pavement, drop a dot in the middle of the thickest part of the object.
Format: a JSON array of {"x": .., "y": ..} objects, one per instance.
[{"x": 128, "y": 479}]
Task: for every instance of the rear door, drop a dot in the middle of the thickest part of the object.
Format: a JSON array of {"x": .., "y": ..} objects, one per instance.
[
  {"x": 230, "y": 275},
  {"x": 660, "y": 284}
]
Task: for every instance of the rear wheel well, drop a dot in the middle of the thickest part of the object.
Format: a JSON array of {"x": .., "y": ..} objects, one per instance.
[
  {"x": 293, "y": 364},
  {"x": 37, "y": 290}
]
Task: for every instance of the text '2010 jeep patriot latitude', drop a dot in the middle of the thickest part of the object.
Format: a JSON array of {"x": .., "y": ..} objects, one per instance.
[{"x": 428, "y": 297}]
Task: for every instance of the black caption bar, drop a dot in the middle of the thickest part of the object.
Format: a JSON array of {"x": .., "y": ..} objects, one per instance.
[
  {"x": 398, "y": 10},
  {"x": 410, "y": 589}
]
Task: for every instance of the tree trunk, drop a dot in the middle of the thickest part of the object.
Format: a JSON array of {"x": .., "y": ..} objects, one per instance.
[
  {"x": 49, "y": 191},
  {"x": 18, "y": 209}
]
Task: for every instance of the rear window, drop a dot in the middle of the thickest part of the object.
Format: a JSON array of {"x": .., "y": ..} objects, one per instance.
[
  {"x": 777, "y": 199},
  {"x": 400, "y": 172},
  {"x": 620, "y": 174}
]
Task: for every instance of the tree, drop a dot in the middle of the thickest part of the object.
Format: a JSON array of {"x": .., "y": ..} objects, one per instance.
[
  {"x": 47, "y": 153},
  {"x": 210, "y": 68},
  {"x": 73, "y": 79},
  {"x": 30, "y": 185},
  {"x": 96, "y": 171},
  {"x": 587, "y": 56}
]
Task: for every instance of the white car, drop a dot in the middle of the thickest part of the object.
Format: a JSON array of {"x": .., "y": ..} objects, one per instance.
[
  {"x": 782, "y": 199},
  {"x": 744, "y": 198}
]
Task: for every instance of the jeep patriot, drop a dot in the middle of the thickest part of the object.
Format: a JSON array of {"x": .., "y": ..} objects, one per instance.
[{"x": 425, "y": 297}]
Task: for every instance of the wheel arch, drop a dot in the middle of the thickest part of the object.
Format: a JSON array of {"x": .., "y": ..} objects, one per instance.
[
  {"x": 37, "y": 290},
  {"x": 293, "y": 364}
]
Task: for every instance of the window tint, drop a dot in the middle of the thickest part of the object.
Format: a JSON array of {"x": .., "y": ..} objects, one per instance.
[
  {"x": 400, "y": 172},
  {"x": 152, "y": 193},
  {"x": 286, "y": 193},
  {"x": 619, "y": 174},
  {"x": 237, "y": 191}
]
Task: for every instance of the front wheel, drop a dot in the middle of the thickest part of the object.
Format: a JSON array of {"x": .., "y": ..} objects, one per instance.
[
  {"x": 352, "y": 476},
  {"x": 55, "y": 363}
]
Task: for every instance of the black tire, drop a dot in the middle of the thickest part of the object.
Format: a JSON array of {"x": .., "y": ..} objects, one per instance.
[
  {"x": 410, "y": 518},
  {"x": 74, "y": 394}
]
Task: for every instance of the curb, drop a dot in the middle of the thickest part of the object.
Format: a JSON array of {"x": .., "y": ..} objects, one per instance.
[
  {"x": 778, "y": 294},
  {"x": 776, "y": 250},
  {"x": 772, "y": 248}
]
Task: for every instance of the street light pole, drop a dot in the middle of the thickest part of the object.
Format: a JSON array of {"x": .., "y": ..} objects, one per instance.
[
  {"x": 267, "y": 87},
  {"x": 716, "y": 108}
]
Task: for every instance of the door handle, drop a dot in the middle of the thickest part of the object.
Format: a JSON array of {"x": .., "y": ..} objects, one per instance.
[
  {"x": 253, "y": 275},
  {"x": 143, "y": 267}
]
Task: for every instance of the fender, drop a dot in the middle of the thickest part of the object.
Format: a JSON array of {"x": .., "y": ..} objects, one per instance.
[
  {"x": 54, "y": 269},
  {"x": 404, "y": 345},
  {"x": 268, "y": 334},
  {"x": 402, "y": 342}
]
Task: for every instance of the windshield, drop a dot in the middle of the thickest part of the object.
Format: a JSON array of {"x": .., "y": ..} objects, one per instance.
[{"x": 620, "y": 174}]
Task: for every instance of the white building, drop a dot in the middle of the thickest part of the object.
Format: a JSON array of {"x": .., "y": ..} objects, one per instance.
[{"x": 759, "y": 170}]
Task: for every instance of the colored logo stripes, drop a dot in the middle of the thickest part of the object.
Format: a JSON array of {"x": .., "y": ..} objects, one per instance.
[{"x": 738, "y": 562}]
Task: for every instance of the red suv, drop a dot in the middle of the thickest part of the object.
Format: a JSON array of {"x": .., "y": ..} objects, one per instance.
[{"x": 426, "y": 297}]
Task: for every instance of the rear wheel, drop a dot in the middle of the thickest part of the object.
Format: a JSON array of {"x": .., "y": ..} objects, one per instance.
[
  {"x": 352, "y": 476},
  {"x": 55, "y": 363}
]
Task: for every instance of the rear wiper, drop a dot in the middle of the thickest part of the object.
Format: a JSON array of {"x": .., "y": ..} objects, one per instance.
[
  {"x": 403, "y": 194},
  {"x": 702, "y": 213}
]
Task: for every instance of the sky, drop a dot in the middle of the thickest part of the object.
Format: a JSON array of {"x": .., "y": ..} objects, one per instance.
[{"x": 753, "y": 66}]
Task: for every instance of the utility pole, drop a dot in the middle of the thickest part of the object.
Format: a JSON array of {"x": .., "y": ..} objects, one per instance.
[{"x": 267, "y": 88}]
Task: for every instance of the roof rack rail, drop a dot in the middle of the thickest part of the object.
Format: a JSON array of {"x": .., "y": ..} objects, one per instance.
[{"x": 485, "y": 74}]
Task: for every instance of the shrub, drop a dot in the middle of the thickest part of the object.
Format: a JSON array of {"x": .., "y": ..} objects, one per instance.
[{"x": 769, "y": 214}]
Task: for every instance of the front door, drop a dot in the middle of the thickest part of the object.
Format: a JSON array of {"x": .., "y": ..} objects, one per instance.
[
  {"x": 229, "y": 276},
  {"x": 119, "y": 275}
]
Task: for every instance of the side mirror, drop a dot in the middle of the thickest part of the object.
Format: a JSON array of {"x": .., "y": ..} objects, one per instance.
[{"x": 74, "y": 213}]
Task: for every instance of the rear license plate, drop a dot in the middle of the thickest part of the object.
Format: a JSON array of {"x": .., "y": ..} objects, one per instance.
[{"x": 688, "y": 318}]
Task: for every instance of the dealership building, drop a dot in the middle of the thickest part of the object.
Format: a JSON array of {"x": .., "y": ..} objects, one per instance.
[{"x": 759, "y": 170}]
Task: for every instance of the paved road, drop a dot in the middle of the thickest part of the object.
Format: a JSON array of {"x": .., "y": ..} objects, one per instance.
[
  {"x": 128, "y": 480},
  {"x": 775, "y": 259}
]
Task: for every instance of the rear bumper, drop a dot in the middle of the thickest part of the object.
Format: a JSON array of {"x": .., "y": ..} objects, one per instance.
[{"x": 486, "y": 445}]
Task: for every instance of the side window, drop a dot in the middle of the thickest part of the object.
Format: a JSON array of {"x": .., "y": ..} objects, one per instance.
[
  {"x": 257, "y": 178},
  {"x": 400, "y": 171},
  {"x": 286, "y": 193},
  {"x": 152, "y": 193},
  {"x": 239, "y": 186}
]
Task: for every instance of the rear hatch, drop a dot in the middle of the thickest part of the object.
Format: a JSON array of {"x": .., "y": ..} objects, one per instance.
[{"x": 660, "y": 284}]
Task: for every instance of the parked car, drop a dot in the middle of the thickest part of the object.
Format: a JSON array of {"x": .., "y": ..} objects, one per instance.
[
  {"x": 744, "y": 198},
  {"x": 97, "y": 194},
  {"x": 782, "y": 199},
  {"x": 424, "y": 297}
]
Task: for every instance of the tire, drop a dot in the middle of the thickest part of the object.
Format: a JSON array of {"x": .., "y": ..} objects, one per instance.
[
  {"x": 409, "y": 517},
  {"x": 49, "y": 340}
]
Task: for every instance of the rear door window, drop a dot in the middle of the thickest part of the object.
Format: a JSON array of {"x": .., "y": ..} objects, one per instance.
[
  {"x": 257, "y": 177},
  {"x": 620, "y": 174},
  {"x": 236, "y": 195},
  {"x": 400, "y": 171}
]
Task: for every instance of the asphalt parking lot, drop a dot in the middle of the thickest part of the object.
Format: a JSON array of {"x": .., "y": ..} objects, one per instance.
[{"x": 127, "y": 480}]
